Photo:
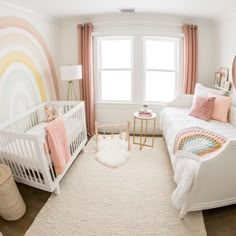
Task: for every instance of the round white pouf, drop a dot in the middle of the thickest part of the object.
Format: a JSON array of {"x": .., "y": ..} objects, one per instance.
[{"x": 12, "y": 206}]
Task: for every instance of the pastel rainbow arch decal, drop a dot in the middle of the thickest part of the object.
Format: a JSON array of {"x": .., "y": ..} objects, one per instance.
[
  {"x": 20, "y": 57},
  {"x": 27, "y": 71}
]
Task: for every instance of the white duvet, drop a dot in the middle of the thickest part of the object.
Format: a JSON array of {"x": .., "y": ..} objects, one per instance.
[{"x": 185, "y": 167}]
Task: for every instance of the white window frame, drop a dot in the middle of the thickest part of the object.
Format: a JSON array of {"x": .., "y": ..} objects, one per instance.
[
  {"x": 138, "y": 73},
  {"x": 177, "y": 61},
  {"x": 98, "y": 69}
]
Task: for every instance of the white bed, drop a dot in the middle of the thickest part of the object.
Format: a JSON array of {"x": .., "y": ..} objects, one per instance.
[{"x": 201, "y": 183}]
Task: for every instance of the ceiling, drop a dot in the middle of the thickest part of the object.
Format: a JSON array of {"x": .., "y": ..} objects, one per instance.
[{"x": 211, "y": 9}]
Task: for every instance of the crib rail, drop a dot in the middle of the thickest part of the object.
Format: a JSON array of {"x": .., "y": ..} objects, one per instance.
[
  {"x": 28, "y": 119},
  {"x": 22, "y": 122}
]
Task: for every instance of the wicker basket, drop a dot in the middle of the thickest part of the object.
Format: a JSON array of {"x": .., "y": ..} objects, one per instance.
[{"x": 12, "y": 206}]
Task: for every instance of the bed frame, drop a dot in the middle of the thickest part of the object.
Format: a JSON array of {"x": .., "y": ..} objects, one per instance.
[
  {"x": 28, "y": 155},
  {"x": 214, "y": 184}
]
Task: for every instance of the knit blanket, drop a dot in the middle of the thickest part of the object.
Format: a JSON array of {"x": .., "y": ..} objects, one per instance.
[{"x": 198, "y": 141}]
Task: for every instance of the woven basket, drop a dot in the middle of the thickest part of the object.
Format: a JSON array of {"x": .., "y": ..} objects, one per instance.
[{"x": 12, "y": 206}]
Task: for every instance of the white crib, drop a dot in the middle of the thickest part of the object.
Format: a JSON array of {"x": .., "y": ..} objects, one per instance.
[{"x": 27, "y": 153}]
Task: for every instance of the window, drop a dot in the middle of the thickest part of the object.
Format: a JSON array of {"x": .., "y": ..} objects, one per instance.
[
  {"x": 136, "y": 69},
  {"x": 160, "y": 69},
  {"x": 115, "y": 71}
]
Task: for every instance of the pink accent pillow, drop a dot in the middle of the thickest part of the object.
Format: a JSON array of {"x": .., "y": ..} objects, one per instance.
[
  {"x": 221, "y": 107},
  {"x": 203, "y": 107}
]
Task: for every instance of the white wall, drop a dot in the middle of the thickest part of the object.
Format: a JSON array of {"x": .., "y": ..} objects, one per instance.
[
  {"x": 149, "y": 24},
  {"x": 68, "y": 51},
  {"x": 225, "y": 36}
]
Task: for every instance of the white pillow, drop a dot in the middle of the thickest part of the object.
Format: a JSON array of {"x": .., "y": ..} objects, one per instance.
[{"x": 203, "y": 91}]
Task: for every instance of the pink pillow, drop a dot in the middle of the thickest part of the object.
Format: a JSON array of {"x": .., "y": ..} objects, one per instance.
[
  {"x": 203, "y": 107},
  {"x": 221, "y": 107}
]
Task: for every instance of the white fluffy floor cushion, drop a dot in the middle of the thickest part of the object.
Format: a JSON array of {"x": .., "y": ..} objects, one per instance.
[{"x": 113, "y": 152}]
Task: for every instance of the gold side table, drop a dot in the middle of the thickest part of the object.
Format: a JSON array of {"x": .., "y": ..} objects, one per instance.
[{"x": 143, "y": 130}]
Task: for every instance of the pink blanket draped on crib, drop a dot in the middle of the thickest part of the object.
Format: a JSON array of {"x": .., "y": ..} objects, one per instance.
[{"x": 58, "y": 144}]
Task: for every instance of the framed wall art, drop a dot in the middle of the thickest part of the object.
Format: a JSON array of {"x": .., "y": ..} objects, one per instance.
[
  {"x": 234, "y": 72},
  {"x": 217, "y": 79},
  {"x": 224, "y": 72}
]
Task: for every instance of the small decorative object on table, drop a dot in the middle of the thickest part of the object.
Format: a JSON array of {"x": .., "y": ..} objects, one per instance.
[
  {"x": 145, "y": 107},
  {"x": 144, "y": 112}
]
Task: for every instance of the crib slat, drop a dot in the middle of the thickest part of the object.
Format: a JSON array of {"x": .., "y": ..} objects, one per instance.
[
  {"x": 11, "y": 151},
  {"x": 53, "y": 174},
  {"x": 77, "y": 136},
  {"x": 35, "y": 118},
  {"x": 70, "y": 137},
  {"x": 34, "y": 156},
  {"x": 26, "y": 165},
  {"x": 6, "y": 154},
  {"x": 32, "y": 163},
  {"x": 17, "y": 161}
]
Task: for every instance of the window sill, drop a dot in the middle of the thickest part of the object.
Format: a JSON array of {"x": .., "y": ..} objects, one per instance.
[{"x": 130, "y": 105}]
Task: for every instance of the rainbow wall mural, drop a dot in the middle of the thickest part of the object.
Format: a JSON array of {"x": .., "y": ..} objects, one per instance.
[{"x": 27, "y": 72}]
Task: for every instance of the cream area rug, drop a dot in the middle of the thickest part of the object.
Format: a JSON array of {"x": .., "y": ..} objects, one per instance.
[{"x": 134, "y": 199}]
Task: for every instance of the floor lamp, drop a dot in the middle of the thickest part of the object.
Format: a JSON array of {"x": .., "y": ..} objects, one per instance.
[{"x": 71, "y": 73}]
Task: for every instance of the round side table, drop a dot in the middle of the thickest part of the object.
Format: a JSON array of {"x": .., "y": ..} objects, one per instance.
[{"x": 143, "y": 130}]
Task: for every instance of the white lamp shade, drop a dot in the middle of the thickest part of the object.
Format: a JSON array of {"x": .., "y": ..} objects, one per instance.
[{"x": 73, "y": 72}]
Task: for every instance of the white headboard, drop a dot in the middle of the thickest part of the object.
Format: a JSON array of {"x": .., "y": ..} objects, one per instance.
[{"x": 232, "y": 115}]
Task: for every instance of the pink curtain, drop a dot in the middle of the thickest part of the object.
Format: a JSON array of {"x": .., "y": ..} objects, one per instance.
[
  {"x": 190, "y": 57},
  {"x": 87, "y": 84}
]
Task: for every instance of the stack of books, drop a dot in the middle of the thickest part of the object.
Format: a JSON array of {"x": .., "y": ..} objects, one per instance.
[{"x": 147, "y": 113}]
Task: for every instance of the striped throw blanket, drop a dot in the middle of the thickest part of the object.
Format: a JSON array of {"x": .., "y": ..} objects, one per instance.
[{"x": 198, "y": 141}]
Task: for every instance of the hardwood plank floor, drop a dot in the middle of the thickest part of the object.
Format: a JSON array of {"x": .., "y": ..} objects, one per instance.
[
  {"x": 34, "y": 199},
  {"x": 218, "y": 222}
]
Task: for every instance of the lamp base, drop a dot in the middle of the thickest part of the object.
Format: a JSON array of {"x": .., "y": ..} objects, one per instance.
[{"x": 71, "y": 91}]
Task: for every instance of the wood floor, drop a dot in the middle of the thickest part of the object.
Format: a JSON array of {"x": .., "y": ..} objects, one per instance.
[
  {"x": 34, "y": 199},
  {"x": 220, "y": 221}
]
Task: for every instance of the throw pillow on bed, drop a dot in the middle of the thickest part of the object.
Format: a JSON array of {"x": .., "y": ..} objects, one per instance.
[
  {"x": 203, "y": 91},
  {"x": 221, "y": 107},
  {"x": 203, "y": 108}
]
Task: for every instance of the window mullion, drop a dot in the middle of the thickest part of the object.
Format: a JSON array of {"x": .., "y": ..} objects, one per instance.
[{"x": 139, "y": 82}]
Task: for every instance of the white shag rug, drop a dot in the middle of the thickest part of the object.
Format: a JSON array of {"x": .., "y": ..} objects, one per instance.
[
  {"x": 132, "y": 200},
  {"x": 112, "y": 152}
]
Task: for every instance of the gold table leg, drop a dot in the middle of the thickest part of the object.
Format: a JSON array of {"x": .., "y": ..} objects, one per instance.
[
  {"x": 153, "y": 136},
  {"x": 143, "y": 135},
  {"x": 134, "y": 130}
]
